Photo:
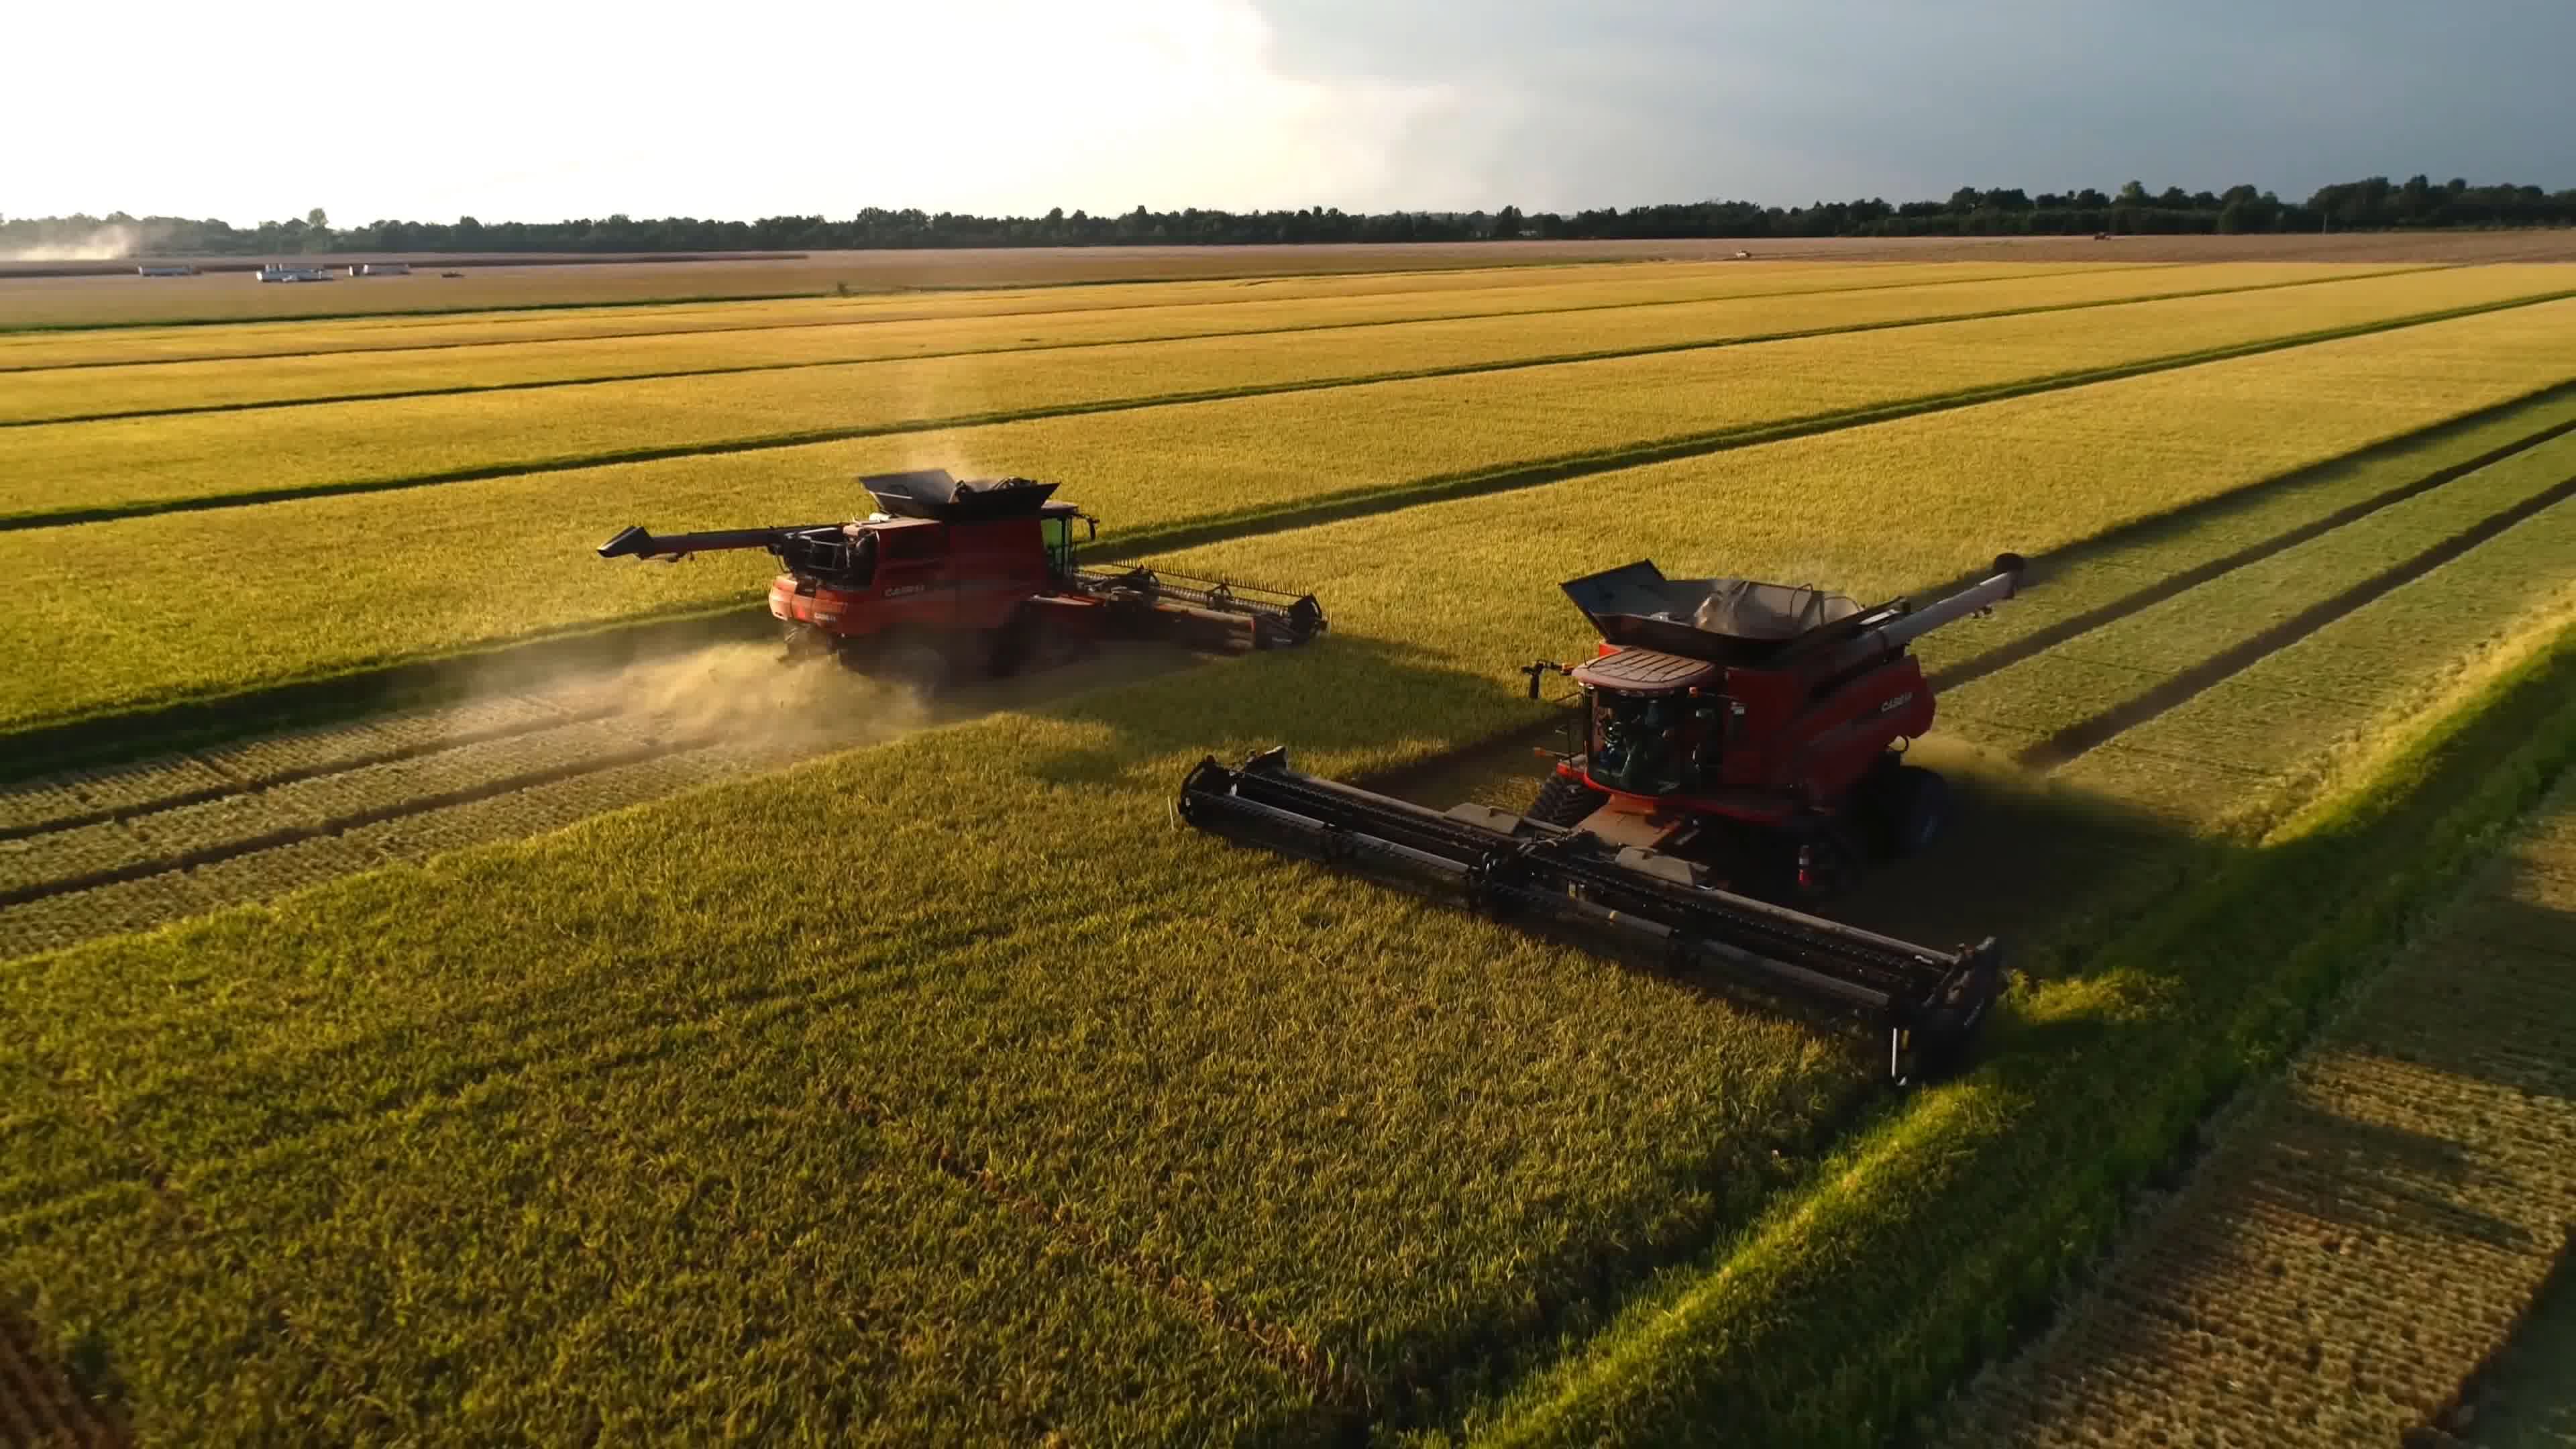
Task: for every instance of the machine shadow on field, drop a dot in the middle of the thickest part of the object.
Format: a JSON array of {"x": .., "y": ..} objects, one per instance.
[{"x": 2332, "y": 1168}]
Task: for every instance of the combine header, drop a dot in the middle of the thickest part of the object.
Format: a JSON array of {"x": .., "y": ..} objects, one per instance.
[
  {"x": 950, "y": 575},
  {"x": 1741, "y": 759}
]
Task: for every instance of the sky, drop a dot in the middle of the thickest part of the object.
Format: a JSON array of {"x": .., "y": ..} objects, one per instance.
[{"x": 536, "y": 111}]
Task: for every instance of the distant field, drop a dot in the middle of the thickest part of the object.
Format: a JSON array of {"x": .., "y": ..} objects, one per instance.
[
  {"x": 460, "y": 358},
  {"x": 1461, "y": 292},
  {"x": 1638, "y": 361},
  {"x": 591, "y": 1053},
  {"x": 92, "y": 301}
]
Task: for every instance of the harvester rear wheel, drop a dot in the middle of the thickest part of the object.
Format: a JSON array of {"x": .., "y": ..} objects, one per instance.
[
  {"x": 1564, "y": 801},
  {"x": 1014, "y": 642},
  {"x": 1912, "y": 806},
  {"x": 800, "y": 642}
]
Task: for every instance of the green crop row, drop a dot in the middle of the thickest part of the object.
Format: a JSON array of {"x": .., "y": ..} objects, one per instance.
[
  {"x": 2118, "y": 663},
  {"x": 1554, "y": 318},
  {"x": 470, "y": 564},
  {"x": 1422, "y": 1145},
  {"x": 362, "y": 347},
  {"x": 1677, "y": 388},
  {"x": 2346, "y": 683},
  {"x": 2174, "y": 550}
]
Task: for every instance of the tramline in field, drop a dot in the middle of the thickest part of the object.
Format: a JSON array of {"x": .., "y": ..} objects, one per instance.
[
  {"x": 954, "y": 575},
  {"x": 1743, "y": 740}
]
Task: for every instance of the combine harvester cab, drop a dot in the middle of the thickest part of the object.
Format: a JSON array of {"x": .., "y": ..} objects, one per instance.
[
  {"x": 1729, "y": 726},
  {"x": 951, "y": 577}
]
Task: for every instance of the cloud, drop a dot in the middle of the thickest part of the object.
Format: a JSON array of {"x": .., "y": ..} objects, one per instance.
[
  {"x": 497, "y": 108},
  {"x": 1620, "y": 102}
]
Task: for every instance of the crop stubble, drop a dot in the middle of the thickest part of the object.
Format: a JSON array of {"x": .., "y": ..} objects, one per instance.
[{"x": 2369, "y": 1231}]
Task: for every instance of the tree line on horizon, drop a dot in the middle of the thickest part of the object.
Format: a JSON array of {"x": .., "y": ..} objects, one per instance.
[{"x": 2372, "y": 204}]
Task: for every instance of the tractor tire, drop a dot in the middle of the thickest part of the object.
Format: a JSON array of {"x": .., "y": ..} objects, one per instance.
[
  {"x": 1014, "y": 643},
  {"x": 1913, "y": 807},
  {"x": 801, "y": 642},
  {"x": 1564, "y": 801},
  {"x": 917, "y": 663}
]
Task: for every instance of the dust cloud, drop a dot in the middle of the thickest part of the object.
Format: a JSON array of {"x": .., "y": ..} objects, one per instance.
[
  {"x": 743, "y": 698},
  {"x": 112, "y": 242}
]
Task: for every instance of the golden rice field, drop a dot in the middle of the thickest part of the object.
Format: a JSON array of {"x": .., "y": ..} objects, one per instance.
[{"x": 467, "y": 992}]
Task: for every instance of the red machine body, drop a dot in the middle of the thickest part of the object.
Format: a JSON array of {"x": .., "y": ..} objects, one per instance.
[
  {"x": 980, "y": 574},
  {"x": 1726, "y": 719}
]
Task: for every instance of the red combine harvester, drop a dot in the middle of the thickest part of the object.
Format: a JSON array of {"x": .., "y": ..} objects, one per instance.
[
  {"x": 1742, "y": 749},
  {"x": 951, "y": 577}
]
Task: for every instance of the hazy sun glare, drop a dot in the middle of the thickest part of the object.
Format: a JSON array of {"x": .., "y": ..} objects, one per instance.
[{"x": 533, "y": 112}]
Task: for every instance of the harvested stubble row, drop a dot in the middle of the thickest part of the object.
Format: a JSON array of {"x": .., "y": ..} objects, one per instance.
[
  {"x": 21, "y": 351},
  {"x": 238, "y": 822},
  {"x": 78, "y": 469},
  {"x": 1553, "y": 318},
  {"x": 429, "y": 571},
  {"x": 2368, "y": 1231},
  {"x": 413, "y": 832},
  {"x": 1315, "y": 1098}
]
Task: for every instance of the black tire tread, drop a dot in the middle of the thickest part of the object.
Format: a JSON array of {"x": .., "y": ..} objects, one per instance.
[{"x": 1564, "y": 801}]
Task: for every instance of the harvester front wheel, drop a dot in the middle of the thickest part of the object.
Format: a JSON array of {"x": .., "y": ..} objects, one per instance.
[{"x": 1565, "y": 801}]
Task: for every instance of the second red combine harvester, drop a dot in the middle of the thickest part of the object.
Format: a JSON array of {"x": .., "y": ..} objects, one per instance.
[
  {"x": 1741, "y": 758},
  {"x": 951, "y": 577}
]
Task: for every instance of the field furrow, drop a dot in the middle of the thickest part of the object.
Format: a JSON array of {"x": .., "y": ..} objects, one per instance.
[
  {"x": 2325, "y": 696},
  {"x": 2361, "y": 1239},
  {"x": 2110, "y": 679},
  {"x": 2099, "y": 583},
  {"x": 100, "y": 469},
  {"x": 1541, "y": 319}
]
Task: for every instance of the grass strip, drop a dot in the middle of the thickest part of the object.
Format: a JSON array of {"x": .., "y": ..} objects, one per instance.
[{"x": 1932, "y": 1237}]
